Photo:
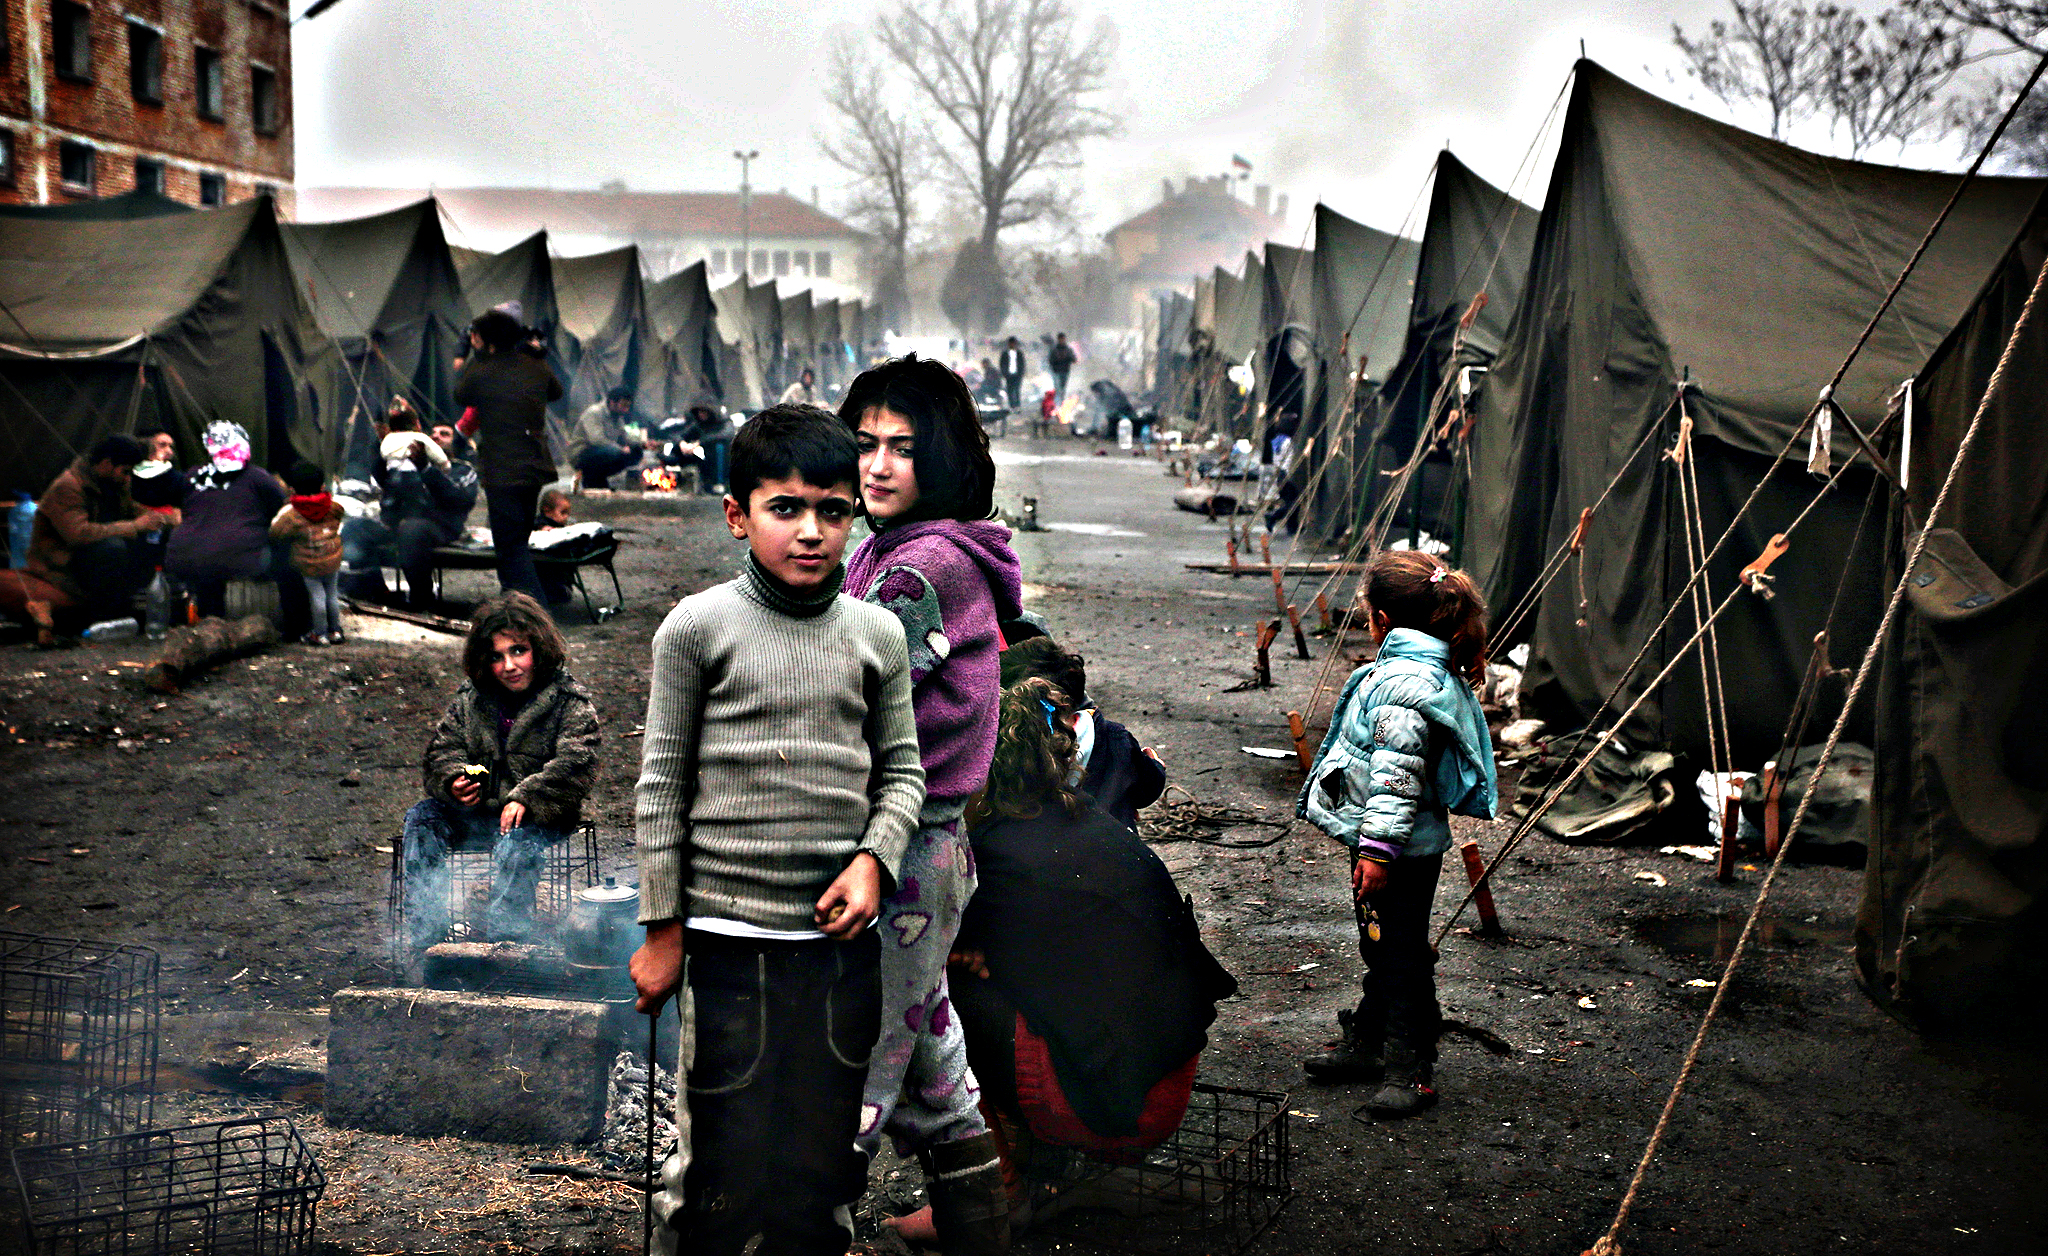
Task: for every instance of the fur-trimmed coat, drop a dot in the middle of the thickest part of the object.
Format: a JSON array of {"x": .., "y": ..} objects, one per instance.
[{"x": 547, "y": 761}]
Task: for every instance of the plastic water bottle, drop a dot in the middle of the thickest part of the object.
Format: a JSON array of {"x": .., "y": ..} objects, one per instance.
[
  {"x": 1123, "y": 433},
  {"x": 20, "y": 527},
  {"x": 157, "y": 609},
  {"x": 113, "y": 629}
]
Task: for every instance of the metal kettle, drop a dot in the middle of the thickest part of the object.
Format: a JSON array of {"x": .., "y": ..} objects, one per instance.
[{"x": 603, "y": 926}]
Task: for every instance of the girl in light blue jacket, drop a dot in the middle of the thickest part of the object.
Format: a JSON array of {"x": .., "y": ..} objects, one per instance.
[{"x": 1407, "y": 746}]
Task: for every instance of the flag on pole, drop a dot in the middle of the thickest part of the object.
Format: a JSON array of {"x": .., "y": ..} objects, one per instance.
[{"x": 1239, "y": 163}]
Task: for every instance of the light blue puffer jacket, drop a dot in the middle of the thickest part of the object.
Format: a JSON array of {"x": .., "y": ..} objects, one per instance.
[{"x": 1374, "y": 786}]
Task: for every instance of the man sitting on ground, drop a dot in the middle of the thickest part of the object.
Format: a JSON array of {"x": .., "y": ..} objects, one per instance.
[
  {"x": 89, "y": 534},
  {"x": 598, "y": 447}
]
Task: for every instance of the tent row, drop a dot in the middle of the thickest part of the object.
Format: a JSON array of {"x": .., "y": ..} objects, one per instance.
[
  {"x": 138, "y": 311},
  {"x": 1585, "y": 398}
]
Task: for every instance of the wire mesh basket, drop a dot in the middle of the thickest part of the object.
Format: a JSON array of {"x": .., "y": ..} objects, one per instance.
[
  {"x": 79, "y": 1023},
  {"x": 1211, "y": 1188},
  {"x": 566, "y": 866},
  {"x": 227, "y": 1188}
]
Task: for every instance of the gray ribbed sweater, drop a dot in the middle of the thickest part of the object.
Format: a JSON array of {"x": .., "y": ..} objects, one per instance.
[{"x": 775, "y": 749}]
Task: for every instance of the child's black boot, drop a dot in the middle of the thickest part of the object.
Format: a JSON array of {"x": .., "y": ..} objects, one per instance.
[
  {"x": 970, "y": 1207},
  {"x": 1409, "y": 1087},
  {"x": 1353, "y": 1058}
]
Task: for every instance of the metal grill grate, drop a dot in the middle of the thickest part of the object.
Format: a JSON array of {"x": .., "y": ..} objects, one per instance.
[
  {"x": 1213, "y": 1186},
  {"x": 567, "y": 866},
  {"x": 78, "y": 1038},
  {"x": 228, "y": 1188}
]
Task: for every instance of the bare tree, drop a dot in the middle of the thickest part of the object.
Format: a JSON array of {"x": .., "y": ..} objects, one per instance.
[
  {"x": 887, "y": 153},
  {"x": 1885, "y": 82},
  {"x": 2006, "y": 28},
  {"x": 1009, "y": 85},
  {"x": 1770, "y": 53}
]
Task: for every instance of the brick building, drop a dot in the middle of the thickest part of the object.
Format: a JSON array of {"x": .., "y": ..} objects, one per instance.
[{"x": 188, "y": 98}]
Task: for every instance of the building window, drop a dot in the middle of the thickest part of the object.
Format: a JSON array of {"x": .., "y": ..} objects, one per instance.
[
  {"x": 213, "y": 189},
  {"x": 75, "y": 166},
  {"x": 206, "y": 76},
  {"x": 803, "y": 263},
  {"x": 760, "y": 261},
  {"x": 267, "y": 189},
  {"x": 718, "y": 261},
  {"x": 6, "y": 159},
  {"x": 781, "y": 261},
  {"x": 149, "y": 175},
  {"x": 145, "y": 64},
  {"x": 71, "y": 25},
  {"x": 263, "y": 99},
  {"x": 821, "y": 265}
]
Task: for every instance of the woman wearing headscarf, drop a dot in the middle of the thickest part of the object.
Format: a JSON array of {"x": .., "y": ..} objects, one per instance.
[{"x": 225, "y": 532}]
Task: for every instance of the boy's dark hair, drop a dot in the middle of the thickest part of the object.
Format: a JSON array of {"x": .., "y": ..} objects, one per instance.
[
  {"x": 1421, "y": 591},
  {"x": 619, "y": 394},
  {"x": 122, "y": 451},
  {"x": 549, "y": 498},
  {"x": 144, "y": 435},
  {"x": 956, "y": 477},
  {"x": 518, "y": 615},
  {"x": 792, "y": 440},
  {"x": 1042, "y": 657},
  {"x": 498, "y": 330},
  {"x": 306, "y": 478}
]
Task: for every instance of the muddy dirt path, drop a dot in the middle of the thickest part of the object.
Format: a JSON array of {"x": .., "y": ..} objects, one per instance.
[{"x": 243, "y": 828}]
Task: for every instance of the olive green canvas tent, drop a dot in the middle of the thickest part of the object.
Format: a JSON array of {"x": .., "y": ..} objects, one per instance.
[
  {"x": 1361, "y": 285},
  {"x": 385, "y": 289},
  {"x": 799, "y": 337},
  {"x": 684, "y": 323},
  {"x": 135, "y": 204},
  {"x": 1951, "y": 932},
  {"x": 602, "y": 299},
  {"x": 739, "y": 361},
  {"x": 111, "y": 325},
  {"x": 1687, "y": 274}
]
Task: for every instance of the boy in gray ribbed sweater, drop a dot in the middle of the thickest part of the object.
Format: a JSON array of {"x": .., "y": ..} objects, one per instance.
[{"x": 779, "y": 787}]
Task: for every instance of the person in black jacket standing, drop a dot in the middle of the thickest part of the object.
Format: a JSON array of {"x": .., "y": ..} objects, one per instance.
[
  {"x": 1011, "y": 364},
  {"x": 1060, "y": 361},
  {"x": 510, "y": 392}
]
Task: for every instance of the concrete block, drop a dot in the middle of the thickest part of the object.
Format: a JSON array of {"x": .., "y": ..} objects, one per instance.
[{"x": 493, "y": 1067}]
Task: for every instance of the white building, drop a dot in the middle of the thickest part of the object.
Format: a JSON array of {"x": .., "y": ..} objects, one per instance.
[{"x": 790, "y": 241}]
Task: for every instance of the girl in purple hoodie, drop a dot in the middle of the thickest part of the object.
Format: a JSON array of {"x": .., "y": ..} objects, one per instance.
[{"x": 946, "y": 570}]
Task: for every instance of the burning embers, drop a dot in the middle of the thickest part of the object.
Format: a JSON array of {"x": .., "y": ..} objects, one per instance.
[{"x": 659, "y": 479}]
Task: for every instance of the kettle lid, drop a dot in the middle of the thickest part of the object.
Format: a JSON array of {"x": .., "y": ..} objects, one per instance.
[{"x": 609, "y": 892}]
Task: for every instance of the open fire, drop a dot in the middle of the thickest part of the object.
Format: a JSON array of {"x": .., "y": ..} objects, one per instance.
[{"x": 658, "y": 479}]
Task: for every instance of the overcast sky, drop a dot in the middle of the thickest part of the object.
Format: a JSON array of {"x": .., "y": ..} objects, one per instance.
[{"x": 1346, "y": 101}]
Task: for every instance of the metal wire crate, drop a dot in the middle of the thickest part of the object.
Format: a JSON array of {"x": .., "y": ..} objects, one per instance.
[
  {"x": 79, "y": 1023},
  {"x": 1211, "y": 1188},
  {"x": 227, "y": 1188},
  {"x": 567, "y": 866}
]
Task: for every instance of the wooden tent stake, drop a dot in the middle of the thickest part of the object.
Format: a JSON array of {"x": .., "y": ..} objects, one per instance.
[
  {"x": 1482, "y": 893},
  {"x": 1299, "y": 731},
  {"x": 1279, "y": 594},
  {"x": 1300, "y": 638},
  {"x": 1230, "y": 548},
  {"x": 1267, "y": 631},
  {"x": 1323, "y": 609}
]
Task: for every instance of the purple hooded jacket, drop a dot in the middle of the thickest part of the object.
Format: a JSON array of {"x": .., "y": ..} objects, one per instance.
[{"x": 949, "y": 582}]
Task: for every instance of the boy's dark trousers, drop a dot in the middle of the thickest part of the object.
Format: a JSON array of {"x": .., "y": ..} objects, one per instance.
[
  {"x": 1399, "y": 1006},
  {"x": 784, "y": 1031}
]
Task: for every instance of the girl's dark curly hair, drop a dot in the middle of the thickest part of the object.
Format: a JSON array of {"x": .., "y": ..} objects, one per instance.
[
  {"x": 516, "y": 615},
  {"x": 1034, "y": 757}
]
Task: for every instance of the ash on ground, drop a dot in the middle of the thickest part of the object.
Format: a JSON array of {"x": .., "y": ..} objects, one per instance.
[{"x": 624, "y": 1144}]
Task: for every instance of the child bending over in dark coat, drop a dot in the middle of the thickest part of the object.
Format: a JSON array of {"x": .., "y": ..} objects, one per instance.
[{"x": 1120, "y": 775}]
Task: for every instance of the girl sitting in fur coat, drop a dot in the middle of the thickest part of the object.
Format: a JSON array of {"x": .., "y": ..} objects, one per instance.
[{"x": 507, "y": 770}]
